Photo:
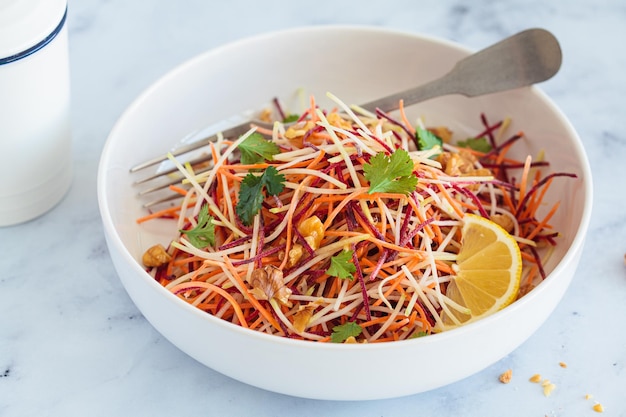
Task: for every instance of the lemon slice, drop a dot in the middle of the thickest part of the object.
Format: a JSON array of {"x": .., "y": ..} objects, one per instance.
[{"x": 488, "y": 272}]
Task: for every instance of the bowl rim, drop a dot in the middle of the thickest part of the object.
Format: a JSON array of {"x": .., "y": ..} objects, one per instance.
[{"x": 114, "y": 238}]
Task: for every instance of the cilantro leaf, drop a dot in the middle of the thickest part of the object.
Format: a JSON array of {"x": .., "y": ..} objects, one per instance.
[
  {"x": 251, "y": 192},
  {"x": 341, "y": 265},
  {"x": 425, "y": 139},
  {"x": 392, "y": 174},
  {"x": 291, "y": 118},
  {"x": 478, "y": 144},
  {"x": 273, "y": 181},
  {"x": 255, "y": 148},
  {"x": 203, "y": 234},
  {"x": 344, "y": 331}
]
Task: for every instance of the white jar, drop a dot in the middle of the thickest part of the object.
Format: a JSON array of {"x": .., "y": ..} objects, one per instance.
[{"x": 35, "y": 132}]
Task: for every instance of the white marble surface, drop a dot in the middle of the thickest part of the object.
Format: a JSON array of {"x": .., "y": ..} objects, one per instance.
[{"x": 73, "y": 344}]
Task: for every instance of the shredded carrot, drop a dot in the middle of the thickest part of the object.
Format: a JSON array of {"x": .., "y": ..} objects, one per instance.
[
  {"x": 326, "y": 247},
  {"x": 406, "y": 122},
  {"x": 168, "y": 212}
]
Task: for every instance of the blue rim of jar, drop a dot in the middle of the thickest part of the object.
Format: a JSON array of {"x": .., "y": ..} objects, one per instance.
[{"x": 38, "y": 46}]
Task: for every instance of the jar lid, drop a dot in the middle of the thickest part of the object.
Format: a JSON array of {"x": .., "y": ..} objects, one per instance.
[{"x": 26, "y": 23}]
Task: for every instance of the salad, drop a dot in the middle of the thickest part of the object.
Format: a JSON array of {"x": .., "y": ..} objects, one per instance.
[{"x": 341, "y": 225}]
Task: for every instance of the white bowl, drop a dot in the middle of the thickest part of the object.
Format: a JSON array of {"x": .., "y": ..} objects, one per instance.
[{"x": 356, "y": 64}]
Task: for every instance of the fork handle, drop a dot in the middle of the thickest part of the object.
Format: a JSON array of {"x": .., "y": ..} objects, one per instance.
[{"x": 526, "y": 58}]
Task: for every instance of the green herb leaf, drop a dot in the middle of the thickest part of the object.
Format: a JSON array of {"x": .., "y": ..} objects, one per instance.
[
  {"x": 291, "y": 118},
  {"x": 273, "y": 181},
  {"x": 344, "y": 331},
  {"x": 392, "y": 174},
  {"x": 478, "y": 144},
  {"x": 251, "y": 194},
  {"x": 341, "y": 265},
  {"x": 426, "y": 139},
  {"x": 203, "y": 234},
  {"x": 418, "y": 334},
  {"x": 255, "y": 149}
]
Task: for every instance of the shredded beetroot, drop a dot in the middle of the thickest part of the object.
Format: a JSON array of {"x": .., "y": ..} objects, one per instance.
[
  {"x": 543, "y": 181},
  {"x": 385, "y": 233},
  {"x": 474, "y": 199},
  {"x": 384, "y": 115},
  {"x": 279, "y": 108},
  {"x": 489, "y": 129}
]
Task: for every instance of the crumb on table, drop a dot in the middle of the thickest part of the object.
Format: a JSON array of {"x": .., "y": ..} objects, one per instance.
[
  {"x": 505, "y": 377},
  {"x": 548, "y": 387}
]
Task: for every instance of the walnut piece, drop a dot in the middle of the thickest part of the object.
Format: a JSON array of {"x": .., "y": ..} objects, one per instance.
[
  {"x": 506, "y": 377},
  {"x": 295, "y": 253},
  {"x": 302, "y": 317},
  {"x": 457, "y": 164},
  {"x": 266, "y": 115},
  {"x": 312, "y": 229},
  {"x": 462, "y": 164},
  {"x": 267, "y": 284},
  {"x": 155, "y": 256},
  {"x": 548, "y": 387},
  {"x": 503, "y": 221},
  {"x": 442, "y": 132},
  {"x": 299, "y": 129}
]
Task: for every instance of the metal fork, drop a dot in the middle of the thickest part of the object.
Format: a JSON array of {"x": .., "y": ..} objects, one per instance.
[{"x": 523, "y": 59}]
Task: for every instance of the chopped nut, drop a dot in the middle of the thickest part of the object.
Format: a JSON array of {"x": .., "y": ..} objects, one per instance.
[
  {"x": 588, "y": 397},
  {"x": 312, "y": 229},
  {"x": 454, "y": 164},
  {"x": 266, "y": 115},
  {"x": 335, "y": 119},
  {"x": 562, "y": 364},
  {"x": 303, "y": 315},
  {"x": 503, "y": 221},
  {"x": 442, "y": 132},
  {"x": 535, "y": 378},
  {"x": 597, "y": 407},
  {"x": 506, "y": 377},
  {"x": 299, "y": 130},
  {"x": 548, "y": 387},
  {"x": 461, "y": 164},
  {"x": 267, "y": 284},
  {"x": 295, "y": 253},
  {"x": 156, "y": 256}
]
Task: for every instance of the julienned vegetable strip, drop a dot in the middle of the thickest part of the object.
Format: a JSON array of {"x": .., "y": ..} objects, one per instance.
[{"x": 342, "y": 242}]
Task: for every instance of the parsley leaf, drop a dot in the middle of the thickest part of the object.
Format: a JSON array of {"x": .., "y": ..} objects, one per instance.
[
  {"x": 251, "y": 192},
  {"x": 255, "y": 149},
  {"x": 341, "y": 266},
  {"x": 203, "y": 234},
  {"x": 426, "y": 139},
  {"x": 478, "y": 144},
  {"x": 344, "y": 331},
  {"x": 392, "y": 174}
]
